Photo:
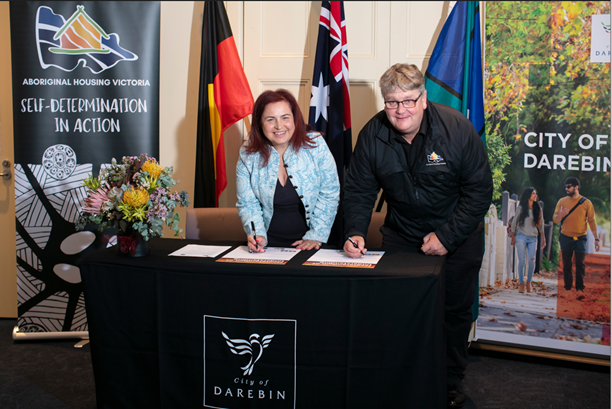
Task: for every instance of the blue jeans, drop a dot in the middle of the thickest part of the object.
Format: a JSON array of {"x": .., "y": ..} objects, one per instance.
[{"x": 526, "y": 244}]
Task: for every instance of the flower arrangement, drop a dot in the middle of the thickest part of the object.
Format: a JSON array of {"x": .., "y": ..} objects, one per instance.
[{"x": 133, "y": 198}]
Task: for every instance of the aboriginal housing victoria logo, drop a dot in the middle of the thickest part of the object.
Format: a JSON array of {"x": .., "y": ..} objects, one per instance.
[
  {"x": 435, "y": 159},
  {"x": 65, "y": 44},
  {"x": 249, "y": 362}
]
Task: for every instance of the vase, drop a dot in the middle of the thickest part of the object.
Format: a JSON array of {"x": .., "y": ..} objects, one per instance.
[{"x": 132, "y": 245}]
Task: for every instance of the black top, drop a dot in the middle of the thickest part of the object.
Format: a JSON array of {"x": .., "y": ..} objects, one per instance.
[
  {"x": 411, "y": 150},
  {"x": 446, "y": 190},
  {"x": 288, "y": 222}
]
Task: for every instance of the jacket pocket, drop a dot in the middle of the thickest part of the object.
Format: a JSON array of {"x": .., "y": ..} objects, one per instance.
[
  {"x": 439, "y": 176},
  {"x": 394, "y": 183}
]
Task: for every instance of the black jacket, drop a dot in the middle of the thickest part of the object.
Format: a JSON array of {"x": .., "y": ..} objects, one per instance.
[{"x": 448, "y": 193}]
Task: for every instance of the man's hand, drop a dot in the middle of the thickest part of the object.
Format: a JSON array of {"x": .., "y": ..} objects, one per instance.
[
  {"x": 563, "y": 211},
  {"x": 596, "y": 245},
  {"x": 353, "y": 252},
  {"x": 432, "y": 246}
]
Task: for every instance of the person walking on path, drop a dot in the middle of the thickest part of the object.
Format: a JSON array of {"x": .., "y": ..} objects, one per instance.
[
  {"x": 526, "y": 227},
  {"x": 575, "y": 213}
]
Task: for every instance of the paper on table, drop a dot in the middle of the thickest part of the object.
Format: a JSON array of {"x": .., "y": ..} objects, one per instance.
[
  {"x": 272, "y": 255},
  {"x": 198, "y": 250},
  {"x": 337, "y": 258}
]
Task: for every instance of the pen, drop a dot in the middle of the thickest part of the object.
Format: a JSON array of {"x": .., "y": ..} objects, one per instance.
[
  {"x": 356, "y": 246},
  {"x": 254, "y": 233}
]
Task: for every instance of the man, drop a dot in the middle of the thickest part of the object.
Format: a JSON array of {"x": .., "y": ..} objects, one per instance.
[
  {"x": 434, "y": 172},
  {"x": 574, "y": 212}
]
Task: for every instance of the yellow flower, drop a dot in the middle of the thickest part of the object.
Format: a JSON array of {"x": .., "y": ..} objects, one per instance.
[
  {"x": 153, "y": 168},
  {"x": 132, "y": 213},
  {"x": 135, "y": 197}
]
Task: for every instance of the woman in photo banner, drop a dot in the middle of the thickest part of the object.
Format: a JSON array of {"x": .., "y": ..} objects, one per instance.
[
  {"x": 286, "y": 178},
  {"x": 526, "y": 227}
]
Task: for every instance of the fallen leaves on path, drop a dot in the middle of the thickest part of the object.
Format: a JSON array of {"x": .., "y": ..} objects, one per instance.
[{"x": 521, "y": 326}]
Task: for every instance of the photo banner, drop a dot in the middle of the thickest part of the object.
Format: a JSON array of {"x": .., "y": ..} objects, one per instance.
[
  {"x": 85, "y": 90},
  {"x": 547, "y": 108}
]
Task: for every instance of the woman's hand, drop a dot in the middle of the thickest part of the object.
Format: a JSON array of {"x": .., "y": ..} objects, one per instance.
[
  {"x": 307, "y": 244},
  {"x": 256, "y": 247},
  {"x": 513, "y": 240}
]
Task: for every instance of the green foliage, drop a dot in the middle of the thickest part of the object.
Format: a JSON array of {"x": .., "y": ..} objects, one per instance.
[
  {"x": 546, "y": 264},
  {"x": 520, "y": 29},
  {"x": 554, "y": 250},
  {"x": 499, "y": 158},
  {"x": 539, "y": 78},
  {"x": 91, "y": 182}
]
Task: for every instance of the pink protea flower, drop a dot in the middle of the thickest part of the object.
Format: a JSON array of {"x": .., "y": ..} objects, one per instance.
[{"x": 95, "y": 200}]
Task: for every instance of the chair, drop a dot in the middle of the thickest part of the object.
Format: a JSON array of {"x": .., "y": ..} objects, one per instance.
[
  {"x": 374, "y": 237},
  {"x": 216, "y": 224},
  {"x": 223, "y": 224}
]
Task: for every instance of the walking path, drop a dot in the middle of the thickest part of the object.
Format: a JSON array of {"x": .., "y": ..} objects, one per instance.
[{"x": 533, "y": 314}]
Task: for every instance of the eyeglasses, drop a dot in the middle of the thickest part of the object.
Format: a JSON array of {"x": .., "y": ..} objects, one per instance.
[
  {"x": 409, "y": 103},
  {"x": 569, "y": 186}
]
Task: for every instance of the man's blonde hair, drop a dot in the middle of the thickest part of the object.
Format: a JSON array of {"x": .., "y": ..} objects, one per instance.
[{"x": 406, "y": 77}]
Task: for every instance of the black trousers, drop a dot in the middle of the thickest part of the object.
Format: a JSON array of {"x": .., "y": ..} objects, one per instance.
[
  {"x": 577, "y": 249},
  {"x": 461, "y": 283}
]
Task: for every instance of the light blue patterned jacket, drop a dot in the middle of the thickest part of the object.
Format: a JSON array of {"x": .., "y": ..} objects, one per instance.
[{"x": 313, "y": 174}]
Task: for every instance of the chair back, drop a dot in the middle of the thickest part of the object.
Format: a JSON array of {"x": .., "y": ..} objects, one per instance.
[
  {"x": 212, "y": 223},
  {"x": 374, "y": 238}
]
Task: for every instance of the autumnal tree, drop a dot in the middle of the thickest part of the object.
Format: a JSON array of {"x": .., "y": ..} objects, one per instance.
[
  {"x": 539, "y": 78},
  {"x": 510, "y": 44}
]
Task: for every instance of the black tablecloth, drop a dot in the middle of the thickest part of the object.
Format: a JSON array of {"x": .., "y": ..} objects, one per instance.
[{"x": 336, "y": 337}]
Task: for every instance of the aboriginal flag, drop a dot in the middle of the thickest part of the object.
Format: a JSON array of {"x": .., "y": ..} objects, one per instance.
[{"x": 225, "y": 98}]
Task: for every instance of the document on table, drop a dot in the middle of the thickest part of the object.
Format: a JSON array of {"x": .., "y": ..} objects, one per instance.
[
  {"x": 337, "y": 258},
  {"x": 198, "y": 250},
  {"x": 272, "y": 255}
]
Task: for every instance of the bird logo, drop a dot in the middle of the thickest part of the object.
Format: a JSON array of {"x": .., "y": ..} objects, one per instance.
[{"x": 254, "y": 347}]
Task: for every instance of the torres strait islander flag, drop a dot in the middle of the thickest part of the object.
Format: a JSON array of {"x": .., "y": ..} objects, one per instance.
[
  {"x": 65, "y": 43},
  {"x": 454, "y": 74},
  {"x": 330, "y": 105},
  {"x": 225, "y": 98}
]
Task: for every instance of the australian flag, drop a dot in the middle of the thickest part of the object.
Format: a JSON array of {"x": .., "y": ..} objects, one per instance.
[{"x": 330, "y": 107}]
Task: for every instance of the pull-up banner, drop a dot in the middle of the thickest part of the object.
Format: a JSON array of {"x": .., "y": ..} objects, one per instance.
[
  {"x": 85, "y": 90},
  {"x": 547, "y": 90}
]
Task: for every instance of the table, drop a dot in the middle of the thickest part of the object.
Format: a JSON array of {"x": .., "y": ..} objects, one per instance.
[{"x": 321, "y": 337}]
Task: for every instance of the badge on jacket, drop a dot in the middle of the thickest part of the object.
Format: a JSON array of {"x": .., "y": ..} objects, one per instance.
[{"x": 435, "y": 159}]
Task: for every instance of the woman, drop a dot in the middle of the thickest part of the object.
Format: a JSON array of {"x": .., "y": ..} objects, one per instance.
[
  {"x": 526, "y": 226},
  {"x": 287, "y": 182}
]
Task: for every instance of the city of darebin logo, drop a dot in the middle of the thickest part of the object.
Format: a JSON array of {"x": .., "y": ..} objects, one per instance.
[
  {"x": 253, "y": 347},
  {"x": 434, "y": 158},
  {"x": 64, "y": 44}
]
